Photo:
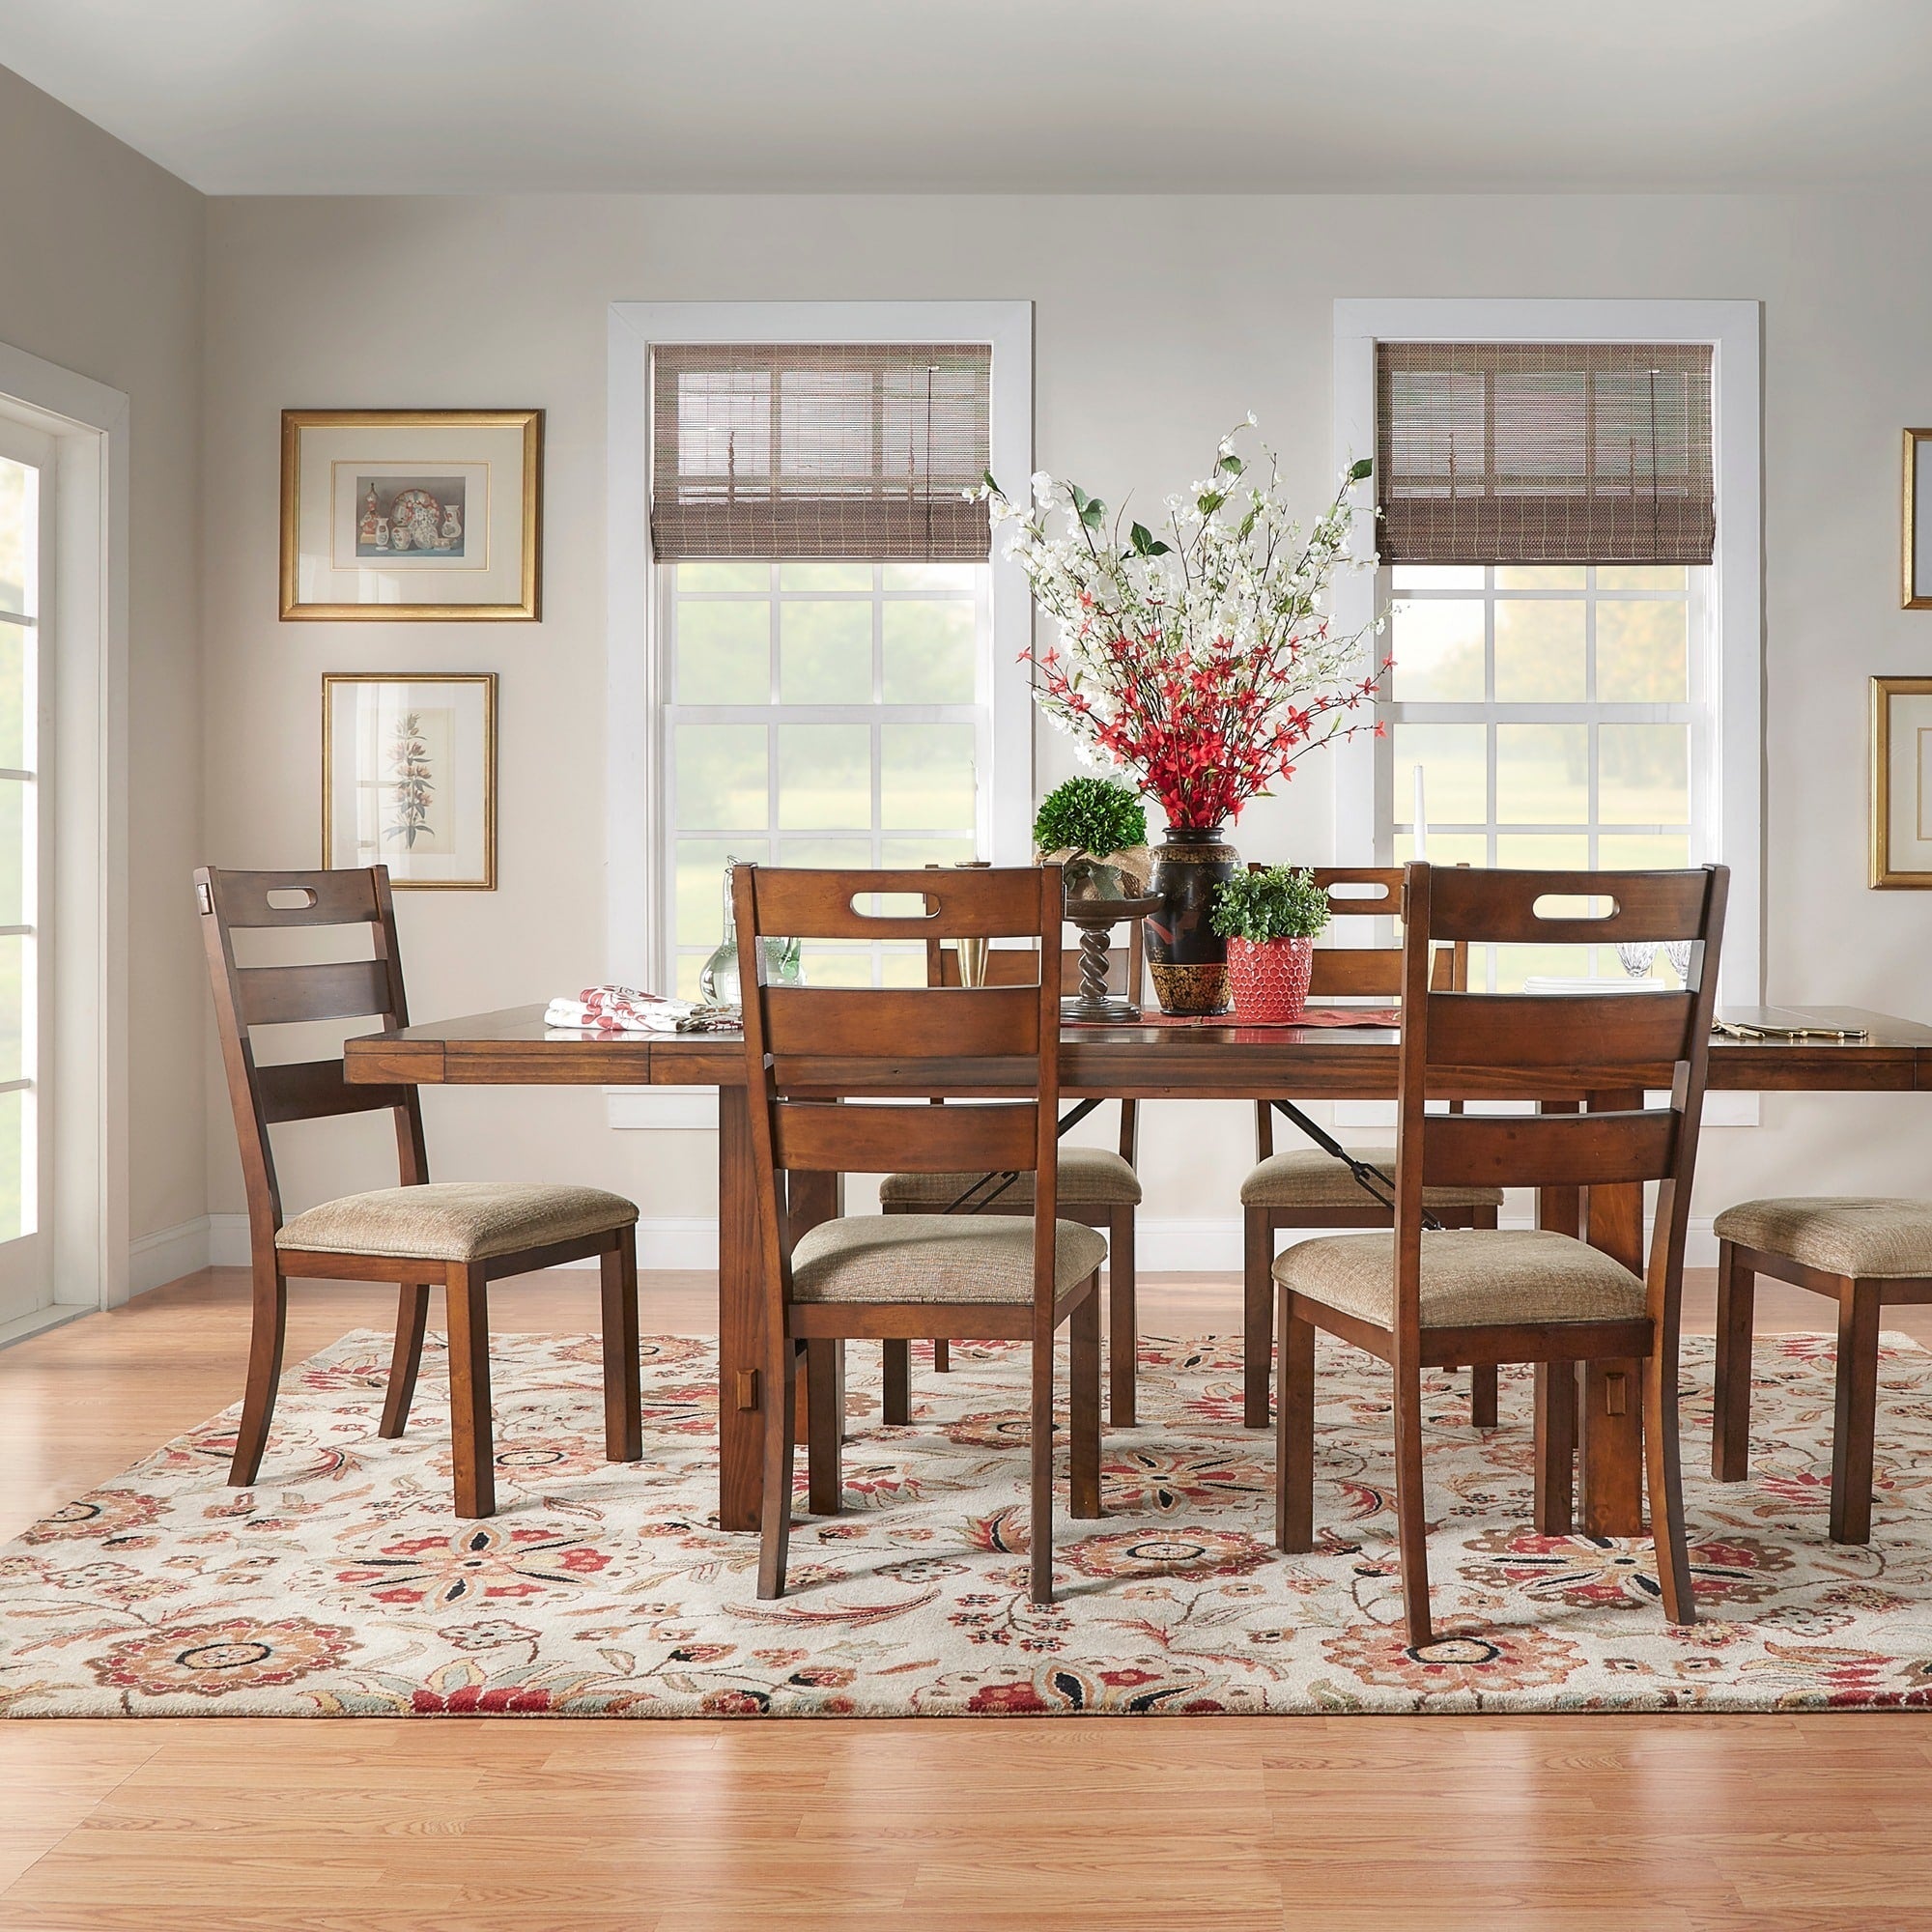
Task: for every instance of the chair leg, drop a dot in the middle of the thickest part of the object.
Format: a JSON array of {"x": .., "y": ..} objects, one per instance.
[
  {"x": 1083, "y": 1456},
  {"x": 1256, "y": 1314},
  {"x": 895, "y": 1400},
  {"x": 264, "y": 1370},
  {"x": 781, "y": 1424},
  {"x": 1040, "y": 1451},
  {"x": 1295, "y": 1436},
  {"x": 406, "y": 1358},
  {"x": 1411, "y": 1518},
  {"x": 1731, "y": 1378},
  {"x": 1664, "y": 1475},
  {"x": 466, "y": 1291},
  {"x": 1483, "y": 1396},
  {"x": 942, "y": 1358},
  {"x": 1555, "y": 1449},
  {"x": 623, "y": 1390},
  {"x": 1122, "y": 1318},
  {"x": 825, "y": 1425},
  {"x": 1853, "y": 1426}
]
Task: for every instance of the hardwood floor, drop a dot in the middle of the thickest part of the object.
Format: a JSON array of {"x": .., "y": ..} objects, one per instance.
[{"x": 1233, "y": 1823}]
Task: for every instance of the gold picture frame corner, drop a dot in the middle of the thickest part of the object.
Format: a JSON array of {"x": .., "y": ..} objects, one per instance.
[{"x": 1908, "y": 515}]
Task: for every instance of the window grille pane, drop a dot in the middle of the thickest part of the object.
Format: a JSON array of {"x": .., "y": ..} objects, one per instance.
[
  {"x": 929, "y": 656},
  {"x": 718, "y": 576},
  {"x": 825, "y": 777},
  {"x": 1540, "y": 576},
  {"x": 1539, "y": 656},
  {"x": 926, "y": 778},
  {"x": 1438, "y": 648},
  {"x": 724, "y": 652},
  {"x": 824, "y": 577},
  {"x": 18, "y": 1215},
  {"x": 825, "y": 652},
  {"x": 1643, "y": 653},
  {"x": 1542, "y": 774},
  {"x": 16, "y": 865},
  {"x": 16, "y": 962},
  {"x": 1643, "y": 773},
  {"x": 700, "y": 884},
  {"x": 1454, "y": 766},
  {"x": 19, "y": 538},
  {"x": 1643, "y": 851},
  {"x": 721, "y": 777}
]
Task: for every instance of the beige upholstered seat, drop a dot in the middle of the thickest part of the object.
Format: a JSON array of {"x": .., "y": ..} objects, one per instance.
[
  {"x": 1092, "y": 1177},
  {"x": 455, "y": 1220},
  {"x": 1867, "y": 1237},
  {"x": 934, "y": 1258},
  {"x": 1474, "y": 1277},
  {"x": 1305, "y": 1177}
]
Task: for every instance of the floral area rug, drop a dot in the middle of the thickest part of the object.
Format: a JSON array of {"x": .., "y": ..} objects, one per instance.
[{"x": 343, "y": 1586}]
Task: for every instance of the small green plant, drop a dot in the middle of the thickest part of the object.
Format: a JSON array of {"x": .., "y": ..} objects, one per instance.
[
  {"x": 1091, "y": 816},
  {"x": 1280, "y": 903}
]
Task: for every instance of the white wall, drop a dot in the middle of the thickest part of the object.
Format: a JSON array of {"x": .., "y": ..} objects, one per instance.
[
  {"x": 1159, "y": 322},
  {"x": 101, "y": 272}
]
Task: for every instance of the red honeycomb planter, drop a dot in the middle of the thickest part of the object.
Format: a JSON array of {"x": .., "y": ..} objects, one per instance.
[{"x": 1268, "y": 980}]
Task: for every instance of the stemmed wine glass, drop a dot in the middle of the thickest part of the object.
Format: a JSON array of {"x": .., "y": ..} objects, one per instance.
[
  {"x": 1637, "y": 956},
  {"x": 1678, "y": 953}
]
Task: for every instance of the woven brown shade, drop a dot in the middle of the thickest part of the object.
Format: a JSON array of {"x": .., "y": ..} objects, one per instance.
[
  {"x": 859, "y": 451},
  {"x": 1560, "y": 452}
]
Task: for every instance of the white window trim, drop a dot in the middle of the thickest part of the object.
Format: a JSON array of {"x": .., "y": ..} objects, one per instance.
[
  {"x": 89, "y": 898},
  {"x": 634, "y": 857},
  {"x": 1736, "y": 658}
]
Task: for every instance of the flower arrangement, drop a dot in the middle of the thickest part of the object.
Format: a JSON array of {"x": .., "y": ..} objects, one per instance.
[
  {"x": 1279, "y": 903},
  {"x": 1205, "y": 665},
  {"x": 410, "y": 783}
]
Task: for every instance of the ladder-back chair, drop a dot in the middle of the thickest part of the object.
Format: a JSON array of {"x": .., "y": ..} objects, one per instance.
[
  {"x": 1307, "y": 1187},
  {"x": 830, "y": 1071},
  {"x": 1421, "y": 1299},
  {"x": 458, "y": 1234}
]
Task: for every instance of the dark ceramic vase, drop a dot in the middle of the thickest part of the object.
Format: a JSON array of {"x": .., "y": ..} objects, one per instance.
[{"x": 1186, "y": 956}]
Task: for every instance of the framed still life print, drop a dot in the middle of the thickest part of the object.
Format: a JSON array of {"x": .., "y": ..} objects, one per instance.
[
  {"x": 409, "y": 777},
  {"x": 1915, "y": 519},
  {"x": 411, "y": 514},
  {"x": 1901, "y": 782}
]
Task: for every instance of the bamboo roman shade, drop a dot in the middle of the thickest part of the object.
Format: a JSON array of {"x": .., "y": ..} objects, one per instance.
[
  {"x": 1560, "y": 452},
  {"x": 860, "y": 451}
]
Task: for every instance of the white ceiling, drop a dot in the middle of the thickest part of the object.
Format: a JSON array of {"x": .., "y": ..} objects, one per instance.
[{"x": 404, "y": 97}]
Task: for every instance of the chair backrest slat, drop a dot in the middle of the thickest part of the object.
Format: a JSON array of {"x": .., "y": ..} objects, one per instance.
[
  {"x": 1549, "y": 1150},
  {"x": 848, "y": 1021},
  {"x": 1522, "y": 1031},
  {"x": 820, "y": 1137},
  {"x": 343, "y": 990},
  {"x": 255, "y": 996},
  {"x": 816, "y": 1057}
]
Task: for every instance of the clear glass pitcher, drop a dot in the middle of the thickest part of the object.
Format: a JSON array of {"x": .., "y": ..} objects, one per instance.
[{"x": 718, "y": 981}]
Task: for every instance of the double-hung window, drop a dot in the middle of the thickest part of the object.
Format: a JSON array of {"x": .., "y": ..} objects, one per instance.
[
  {"x": 1547, "y": 532},
  {"x": 823, "y": 610}
]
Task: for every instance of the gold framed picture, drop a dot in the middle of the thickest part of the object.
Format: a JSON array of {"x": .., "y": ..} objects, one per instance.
[
  {"x": 409, "y": 776},
  {"x": 1901, "y": 782},
  {"x": 1916, "y": 521},
  {"x": 412, "y": 515}
]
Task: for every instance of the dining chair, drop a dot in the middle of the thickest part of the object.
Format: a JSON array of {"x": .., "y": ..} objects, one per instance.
[
  {"x": 1097, "y": 1185},
  {"x": 462, "y": 1235},
  {"x": 830, "y": 1071},
  {"x": 1424, "y": 1300},
  {"x": 1308, "y": 1188},
  {"x": 1867, "y": 1254}
]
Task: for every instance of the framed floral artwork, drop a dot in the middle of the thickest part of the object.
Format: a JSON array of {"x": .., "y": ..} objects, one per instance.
[
  {"x": 1901, "y": 782},
  {"x": 411, "y": 514},
  {"x": 409, "y": 776}
]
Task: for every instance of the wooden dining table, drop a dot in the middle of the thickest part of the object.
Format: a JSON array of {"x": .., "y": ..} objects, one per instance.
[{"x": 513, "y": 1047}]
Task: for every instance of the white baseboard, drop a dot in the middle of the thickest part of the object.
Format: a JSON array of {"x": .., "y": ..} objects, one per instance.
[{"x": 172, "y": 1252}]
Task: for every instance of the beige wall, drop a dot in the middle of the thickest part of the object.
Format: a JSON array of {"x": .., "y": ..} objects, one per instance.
[
  {"x": 1158, "y": 322},
  {"x": 101, "y": 272}
]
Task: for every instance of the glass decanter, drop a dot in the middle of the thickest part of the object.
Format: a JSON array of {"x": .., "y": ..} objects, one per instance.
[{"x": 718, "y": 981}]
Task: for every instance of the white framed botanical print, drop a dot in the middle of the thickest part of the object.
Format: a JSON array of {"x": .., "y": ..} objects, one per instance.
[
  {"x": 411, "y": 514},
  {"x": 1901, "y": 782},
  {"x": 409, "y": 776}
]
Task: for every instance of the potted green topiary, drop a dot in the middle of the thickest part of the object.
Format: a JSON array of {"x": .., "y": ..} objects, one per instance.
[
  {"x": 1269, "y": 919},
  {"x": 1096, "y": 832}
]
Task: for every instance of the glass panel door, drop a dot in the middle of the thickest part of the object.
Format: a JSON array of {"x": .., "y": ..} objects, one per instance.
[{"x": 26, "y": 577}]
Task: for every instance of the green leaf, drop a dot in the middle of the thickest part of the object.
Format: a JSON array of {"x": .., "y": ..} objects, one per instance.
[
  {"x": 987, "y": 478},
  {"x": 1145, "y": 542},
  {"x": 1093, "y": 512},
  {"x": 1361, "y": 470},
  {"x": 1211, "y": 502},
  {"x": 1232, "y": 464}
]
